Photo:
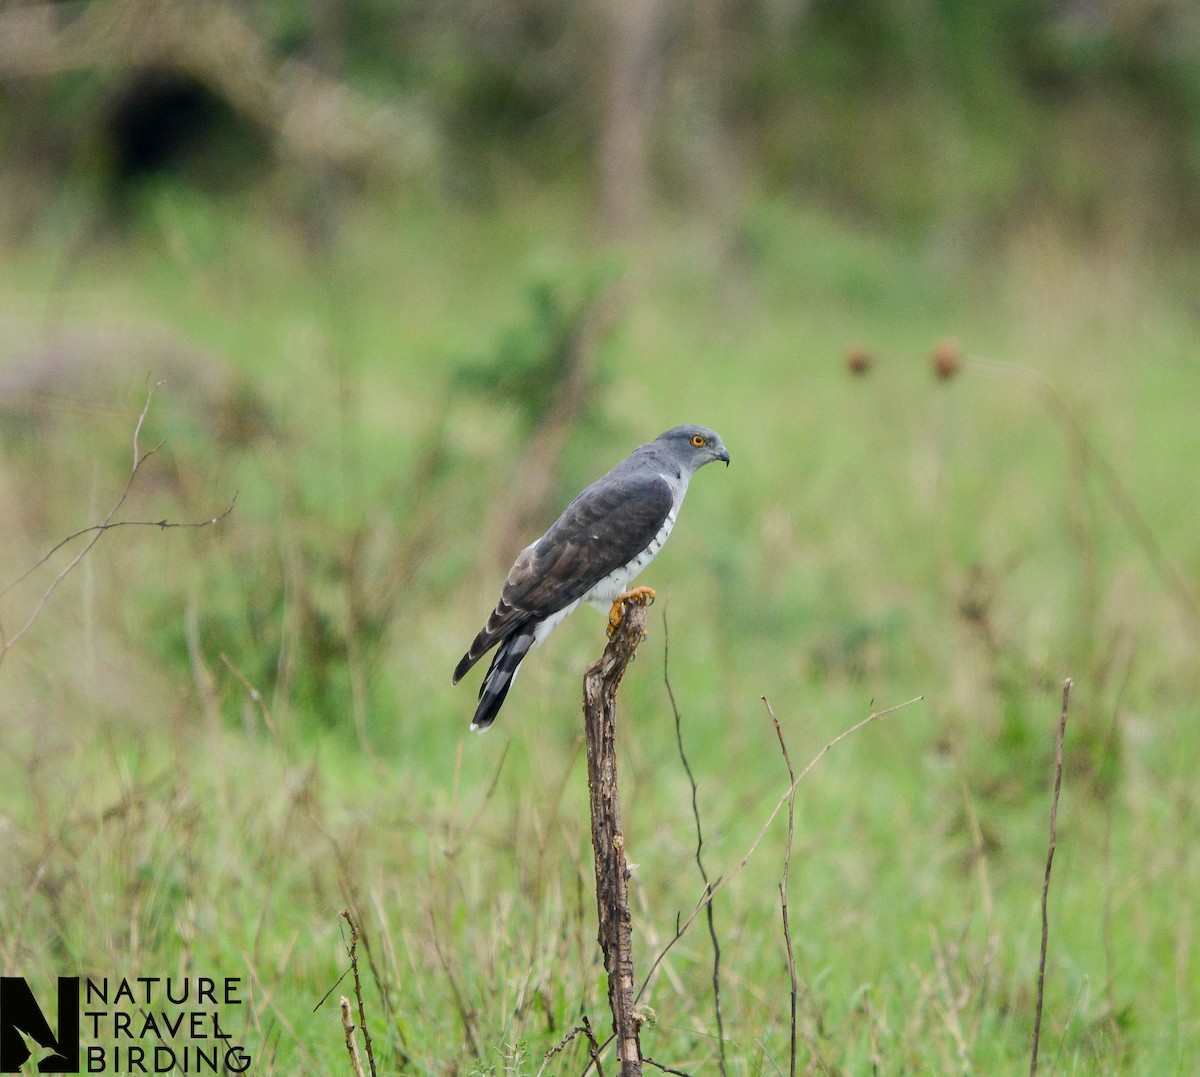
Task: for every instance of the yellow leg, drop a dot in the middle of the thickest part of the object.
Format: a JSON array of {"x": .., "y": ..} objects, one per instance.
[{"x": 642, "y": 596}]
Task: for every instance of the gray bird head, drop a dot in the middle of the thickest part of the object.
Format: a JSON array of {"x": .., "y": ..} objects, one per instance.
[{"x": 693, "y": 446}]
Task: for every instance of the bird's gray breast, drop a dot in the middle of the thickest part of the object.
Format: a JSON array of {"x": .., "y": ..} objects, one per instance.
[{"x": 604, "y": 593}]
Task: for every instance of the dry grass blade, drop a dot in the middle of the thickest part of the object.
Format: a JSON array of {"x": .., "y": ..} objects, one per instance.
[
  {"x": 1176, "y": 581},
  {"x": 1041, "y": 978},
  {"x": 708, "y": 907},
  {"x": 466, "y": 1013},
  {"x": 721, "y": 883},
  {"x": 783, "y": 887},
  {"x": 255, "y": 695}
]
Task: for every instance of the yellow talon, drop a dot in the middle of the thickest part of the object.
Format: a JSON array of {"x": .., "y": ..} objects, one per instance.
[{"x": 640, "y": 596}]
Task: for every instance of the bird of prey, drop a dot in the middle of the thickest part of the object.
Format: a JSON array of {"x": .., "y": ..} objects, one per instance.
[{"x": 606, "y": 536}]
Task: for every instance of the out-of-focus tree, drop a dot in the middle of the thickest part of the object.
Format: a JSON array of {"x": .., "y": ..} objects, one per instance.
[
  {"x": 631, "y": 81},
  {"x": 907, "y": 114},
  {"x": 209, "y": 44}
]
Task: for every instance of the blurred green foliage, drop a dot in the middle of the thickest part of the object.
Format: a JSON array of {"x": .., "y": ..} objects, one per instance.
[
  {"x": 217, "y": 738},
  {"x": 530, "y": 361},
  {"x": 910, "y": 115}
]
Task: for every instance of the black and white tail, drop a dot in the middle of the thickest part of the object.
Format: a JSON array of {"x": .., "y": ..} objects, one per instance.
[
  {"x": 500, "y": 676},
  {"x": 501, "y": 621}
]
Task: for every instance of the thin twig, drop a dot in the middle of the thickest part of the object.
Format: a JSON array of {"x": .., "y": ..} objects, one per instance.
[
  {"x": 137, "y": 427},
  {"x": 362, "y": 1009},
  {"x": 465, "y": 1013},
  {"x": 96, "y": 531},
  {"x": 336, "y": 984},
  {"x": 1041, "y": 978},
  {"x": 453, "y": 841},
  {"x": 351, "y": 1043},
  {"x": 593, "y": 1047},
  {"x": 682, "y": 927},
  {"x": 985, "y": 889},
  {"x": 138, "y": 459},
  {"x": 1106, "y": 927},
  {"x": 783, "y": 885},
  {"x": 952, "y": 1003},
  {"x": 582, "y": 1029},
  {"x": 708, "y": 907},
  {"x": 253, "y": 692},
  {"x": 358, "y": 935}
]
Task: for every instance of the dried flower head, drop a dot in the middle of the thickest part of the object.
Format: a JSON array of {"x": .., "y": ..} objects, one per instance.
[
  {"x": 947, "y": 359},
  {"x": 858, "y": 362}
]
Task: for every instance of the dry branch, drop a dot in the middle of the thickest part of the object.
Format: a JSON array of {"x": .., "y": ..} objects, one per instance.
[
  {"x": 600, "y": 685},
  {"x": 358, "y": 995},
  {"x": 96, "y": 532},
  {"x": 584, "y": 1028},
  {"x": 351, "y": 1044}
]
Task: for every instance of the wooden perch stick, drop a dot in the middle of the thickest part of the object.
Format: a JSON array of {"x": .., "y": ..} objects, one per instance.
[{"x": 600, "y": 685}]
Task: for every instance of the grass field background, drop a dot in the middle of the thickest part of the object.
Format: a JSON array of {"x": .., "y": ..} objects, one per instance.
[{"x": 972, "y": 541}]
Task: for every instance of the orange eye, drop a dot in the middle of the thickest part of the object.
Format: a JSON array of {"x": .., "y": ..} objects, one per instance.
[{"x": 698, "y": 440}]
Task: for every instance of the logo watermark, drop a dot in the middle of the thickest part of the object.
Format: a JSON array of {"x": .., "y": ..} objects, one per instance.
[{"x": 125, "y": 1025}]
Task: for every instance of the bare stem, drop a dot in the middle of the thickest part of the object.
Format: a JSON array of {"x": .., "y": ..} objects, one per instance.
[
  {"x": 615, "y": 936},
  {"x": 96, "y": 531},
  {"x": 253, "y": 692},
  {"x": 358, "y": 995},
  {"x": 1041, "y": 978},
  {"x": 584, "y": 1028},
  {"x": 783, "y": 884},
  {"x": 683, "y": 925},
  {"x": 708, "y": 907},
  {"x": 351, "y": 1043}
]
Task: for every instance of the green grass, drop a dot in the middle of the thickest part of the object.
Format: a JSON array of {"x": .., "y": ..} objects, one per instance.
[{"x": 153, "y": 824}]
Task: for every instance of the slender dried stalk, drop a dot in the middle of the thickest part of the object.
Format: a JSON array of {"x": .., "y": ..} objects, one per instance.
[
  {"x": 1086, "y": 453},
  {"x": 682, "y": 926},
  {"x": 783, "y": 884},
  {"x": 708, "y": 908},
  {"x": 362, "y": 1009},
  {"x": 351, "y": 1043},
  {"x": 96, "y": 531},
  {"x": 584, "y": 1028},
  {"x": 1041, "y": 978}
]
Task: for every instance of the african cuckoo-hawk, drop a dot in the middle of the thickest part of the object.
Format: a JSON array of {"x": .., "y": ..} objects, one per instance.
[{"x": 606, "y": 536}]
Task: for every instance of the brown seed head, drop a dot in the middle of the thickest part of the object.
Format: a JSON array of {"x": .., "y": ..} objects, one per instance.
[
  {"x": 858, "y": 362},
  {"x": 947, "y": 359}
]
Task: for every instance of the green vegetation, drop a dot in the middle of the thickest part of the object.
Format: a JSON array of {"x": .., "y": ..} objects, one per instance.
[
  {"x": 877, "y": 538},
  {"x": 928, "y": 269}
]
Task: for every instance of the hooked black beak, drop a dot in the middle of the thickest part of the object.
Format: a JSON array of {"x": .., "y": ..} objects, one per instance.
[{"x": 724, "y": 455}]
